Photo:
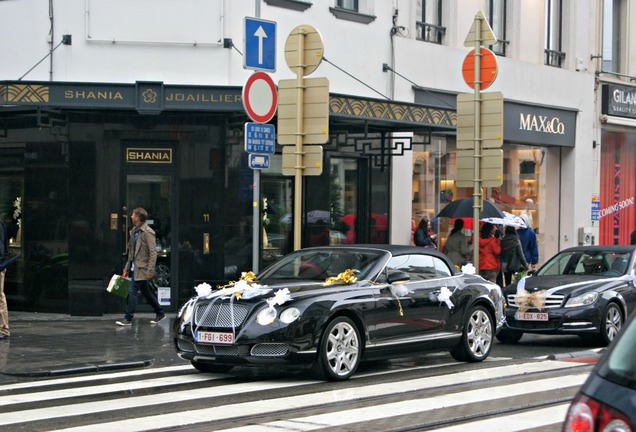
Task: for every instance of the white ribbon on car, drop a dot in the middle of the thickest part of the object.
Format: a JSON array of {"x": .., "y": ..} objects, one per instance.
[{"x": 444, "y": 296}]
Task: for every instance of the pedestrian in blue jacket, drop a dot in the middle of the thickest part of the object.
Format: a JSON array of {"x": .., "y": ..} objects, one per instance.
[{"x": 528, "y": 239}]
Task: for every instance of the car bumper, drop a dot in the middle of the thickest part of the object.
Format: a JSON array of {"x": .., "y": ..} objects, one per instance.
[
  {"x": 581, "y": 320},
  {"x": 243, "y": 353}
]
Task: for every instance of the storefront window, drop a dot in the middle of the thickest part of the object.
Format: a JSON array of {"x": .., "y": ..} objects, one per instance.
[
  {"x": 434, "y": 185},
  {"x": 617, "y": 217}
]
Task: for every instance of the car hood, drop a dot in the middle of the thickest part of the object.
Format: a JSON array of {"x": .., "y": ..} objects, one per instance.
[
  {"x": 569, "y": 284},
  {"x": 297, "y": 290}
]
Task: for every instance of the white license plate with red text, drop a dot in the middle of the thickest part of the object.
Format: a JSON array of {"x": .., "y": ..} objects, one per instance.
[
  {"x": 215, "y": 337},
  {"x": 532, "y": 316}
]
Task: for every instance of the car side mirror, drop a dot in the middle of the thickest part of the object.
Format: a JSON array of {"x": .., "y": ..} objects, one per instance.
[{"x": 398, "y": 276}]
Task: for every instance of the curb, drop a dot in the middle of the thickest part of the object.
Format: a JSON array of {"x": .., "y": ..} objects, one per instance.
[
  {"x": 82, "y": 369},
  {"x": 576, "y": 354}
]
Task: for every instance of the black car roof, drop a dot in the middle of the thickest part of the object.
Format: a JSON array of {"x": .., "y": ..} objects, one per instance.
[{"x": 601, "y": 248}]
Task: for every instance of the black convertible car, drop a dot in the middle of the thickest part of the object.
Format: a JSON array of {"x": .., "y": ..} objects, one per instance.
[
  {"x": 587, "y": 291},
  {"x": 328, "y": 308}
]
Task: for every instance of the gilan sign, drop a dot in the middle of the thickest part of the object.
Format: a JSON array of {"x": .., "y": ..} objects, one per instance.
[{"x": 149, "y": 155}]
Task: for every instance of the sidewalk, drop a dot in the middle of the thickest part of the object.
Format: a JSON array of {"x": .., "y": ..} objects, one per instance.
[{"x": 44, "y": 344}]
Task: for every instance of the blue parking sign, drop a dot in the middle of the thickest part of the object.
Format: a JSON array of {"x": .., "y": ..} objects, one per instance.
[{"x": 260, "y": 44}]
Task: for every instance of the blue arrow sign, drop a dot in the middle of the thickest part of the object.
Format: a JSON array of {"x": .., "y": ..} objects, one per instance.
[
  {"x": 260, "y": 138},
  {"x": 260, "y": 44}
]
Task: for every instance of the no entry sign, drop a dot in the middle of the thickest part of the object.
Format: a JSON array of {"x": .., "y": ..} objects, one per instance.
[
  {"x": 260, "y": 97},
  {"x": 487, "y": 68}
]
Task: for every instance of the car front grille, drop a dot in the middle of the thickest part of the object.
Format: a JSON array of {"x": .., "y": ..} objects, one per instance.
[
  {"x": 533, "y": 325},
  {"x": 551, "y": 301},
  {"x": 230, "y": 350},
  {"x": 220, "y": 314},
  {"x": 184, "y": 345},
  {"x": 269, "y": 350}
]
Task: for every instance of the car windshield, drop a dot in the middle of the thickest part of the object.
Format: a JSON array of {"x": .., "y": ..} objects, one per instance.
[
  {"x": 597, "y": 262},
  {"x": 620, "y": 366},
  {"x": 320, "y": 264}
]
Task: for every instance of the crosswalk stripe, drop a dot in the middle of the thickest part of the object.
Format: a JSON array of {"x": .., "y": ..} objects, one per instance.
[
  {"x": 514, "y": 422},
  {"x": 130, "y": 386},
  {"x": 80, "y": 379},
  {"x": 413, "y": 406},
  {"x": 296, "y": 402},
  {"x": 140, "y": 401}
]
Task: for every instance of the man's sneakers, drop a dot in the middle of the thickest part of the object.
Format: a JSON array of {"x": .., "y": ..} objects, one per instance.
[
  {"x": 126, "y": 323},
  {"x": 158, "y": 318}
]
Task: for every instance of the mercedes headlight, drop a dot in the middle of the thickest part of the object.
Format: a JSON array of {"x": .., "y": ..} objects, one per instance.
[{"x": 582, "y": 300}]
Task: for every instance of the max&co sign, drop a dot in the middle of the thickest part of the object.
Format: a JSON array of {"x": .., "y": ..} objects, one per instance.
[{"x": 539, "y": 125}]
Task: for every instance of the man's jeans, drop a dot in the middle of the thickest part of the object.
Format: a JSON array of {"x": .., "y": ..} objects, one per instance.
[{"x": 133, "y": 289}]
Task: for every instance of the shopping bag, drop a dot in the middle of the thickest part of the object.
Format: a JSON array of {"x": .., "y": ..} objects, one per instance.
[{"x": 118, "y": 285}]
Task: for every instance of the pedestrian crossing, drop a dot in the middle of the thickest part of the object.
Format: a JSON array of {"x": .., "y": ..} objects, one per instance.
[{"x": 447, "y": 397}]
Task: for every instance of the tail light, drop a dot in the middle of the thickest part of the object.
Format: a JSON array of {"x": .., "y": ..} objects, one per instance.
[{"x": 588, "y": 415}]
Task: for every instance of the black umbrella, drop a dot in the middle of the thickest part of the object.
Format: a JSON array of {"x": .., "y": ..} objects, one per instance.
[{"x": 463, "y": 208}]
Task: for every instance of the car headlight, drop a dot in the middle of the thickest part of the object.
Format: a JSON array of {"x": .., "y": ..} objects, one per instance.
[
  {"x": 186, "y": 311},
  {"x": 582, "y": 300},
  {"x": 289, "y": 315},
  {"x": 266, "y": 316}
]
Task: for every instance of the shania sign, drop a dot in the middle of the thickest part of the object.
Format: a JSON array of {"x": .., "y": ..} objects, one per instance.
[{"x": 149, "y": 155}]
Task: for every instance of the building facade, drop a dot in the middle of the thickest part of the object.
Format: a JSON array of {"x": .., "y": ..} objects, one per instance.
[{"x": 106, "y": 107}]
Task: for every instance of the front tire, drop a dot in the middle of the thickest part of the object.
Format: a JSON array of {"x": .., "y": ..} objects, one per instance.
[
  {"x": 611, "y": 323},
  {"x": 509, "y": 336},
  {"x": 339, "y": 350},
  {"x": 477, "y": 336}
]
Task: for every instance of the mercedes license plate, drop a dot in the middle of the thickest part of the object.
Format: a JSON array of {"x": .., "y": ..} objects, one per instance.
[
  {"x": 532, "y": 316},
  {"x": 215, "y": 337}
]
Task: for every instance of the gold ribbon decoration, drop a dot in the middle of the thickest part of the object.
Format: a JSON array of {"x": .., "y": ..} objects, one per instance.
[
  {"x": 347, "y": 277},
  {"x": 525, "y": 300}
]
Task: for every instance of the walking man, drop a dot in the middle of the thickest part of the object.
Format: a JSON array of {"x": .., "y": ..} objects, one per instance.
[{"x": 140, "y": 266}]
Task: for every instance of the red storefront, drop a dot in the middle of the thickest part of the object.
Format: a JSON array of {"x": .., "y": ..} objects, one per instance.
[{"x": 617, "y": 202}]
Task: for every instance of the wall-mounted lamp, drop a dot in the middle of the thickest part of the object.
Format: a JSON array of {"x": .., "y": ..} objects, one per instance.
[{"x": 594, "y": 144}]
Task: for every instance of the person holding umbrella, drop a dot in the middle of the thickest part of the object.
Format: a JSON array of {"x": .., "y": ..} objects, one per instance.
[
  {"x": 512, "y": 257},
  {"x": 489, "y": 253}
]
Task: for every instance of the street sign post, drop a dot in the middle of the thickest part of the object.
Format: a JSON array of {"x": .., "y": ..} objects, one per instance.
[
  {"x": 488, "y": 68},
  {"x": 479, "y": 34},
  {"x": 260, "y": 44},
  {"x": 260, "y": 138},
  {"x": 491, "y": 108},
  {"x": 303, "y": 53},
  {"x": 311, "y": 160},
  {"x": 258, "y": 161},
  {"x": 260, "y": 98},
  {"x": 315, "y": 126}
]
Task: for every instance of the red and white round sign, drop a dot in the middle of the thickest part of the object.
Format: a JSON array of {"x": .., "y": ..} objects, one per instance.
[{"x": 260, "y": 98}]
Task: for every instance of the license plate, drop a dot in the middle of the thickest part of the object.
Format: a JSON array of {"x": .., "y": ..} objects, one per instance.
[
  {"x": 215, "y": 337},
  {"x": 532, "y": 316}
]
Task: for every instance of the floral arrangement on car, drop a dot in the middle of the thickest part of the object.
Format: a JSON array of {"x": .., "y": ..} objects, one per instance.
[
  {"x": 347, "y": 277},
  {"x": 245, "y": 288},
  {"x": 526, "y": 300}
]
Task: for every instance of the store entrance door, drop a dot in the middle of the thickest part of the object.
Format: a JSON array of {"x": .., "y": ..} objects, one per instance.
[{"x": 154, "y": 192}]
